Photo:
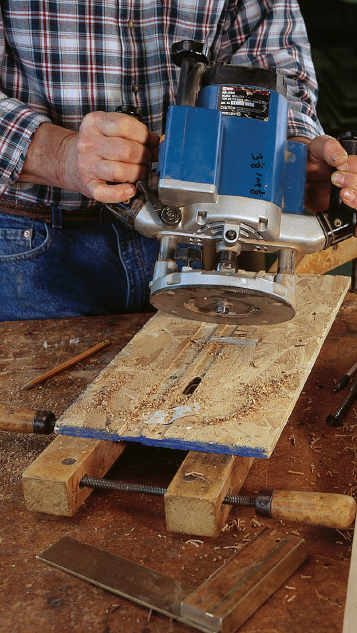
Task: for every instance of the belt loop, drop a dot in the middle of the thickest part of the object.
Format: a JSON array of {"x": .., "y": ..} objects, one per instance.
[{"x": 56, "y": 218}]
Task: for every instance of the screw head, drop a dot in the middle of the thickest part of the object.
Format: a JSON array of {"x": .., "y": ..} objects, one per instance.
[{"x": 231, "y": 235}]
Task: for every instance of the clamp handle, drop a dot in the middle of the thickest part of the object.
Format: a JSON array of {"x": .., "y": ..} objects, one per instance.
[
  {"x": 312, "y": 508},
  {"x": 339, "y": 222}
]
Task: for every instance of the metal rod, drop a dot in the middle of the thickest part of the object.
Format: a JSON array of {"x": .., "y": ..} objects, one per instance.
[
  {"x": 286, "y": 262},
  {"x": 107, "y": 484},
  {"x": 232, "y": 500}
]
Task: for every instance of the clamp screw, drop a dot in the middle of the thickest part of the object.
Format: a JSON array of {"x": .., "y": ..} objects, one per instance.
[{"x": 231, "y": 235}]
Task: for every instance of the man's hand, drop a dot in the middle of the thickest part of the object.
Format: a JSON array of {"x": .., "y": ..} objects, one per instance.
[
  {"x": 109, "y": 147},
  {"x": 326, "y": 153}
]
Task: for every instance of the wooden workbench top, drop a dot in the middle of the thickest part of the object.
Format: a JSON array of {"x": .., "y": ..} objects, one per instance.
[{"x": 309, "y": 456}]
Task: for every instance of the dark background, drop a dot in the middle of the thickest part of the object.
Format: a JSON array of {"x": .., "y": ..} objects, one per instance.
[{"x": 332, "y": 31}]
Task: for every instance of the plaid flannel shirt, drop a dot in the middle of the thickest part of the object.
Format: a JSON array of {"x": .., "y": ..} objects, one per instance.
[{"x": 61, "y": 60}]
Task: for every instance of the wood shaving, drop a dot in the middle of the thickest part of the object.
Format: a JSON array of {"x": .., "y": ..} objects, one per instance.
[
  {"x": 314, "y": 441},
  {"x": 320, "y": 597},
  {"x": 292, "y": 598},
  {"x": 238, "y": 523},
  {"x": 346, "y": 535},
  {"x": 237, "y": 547},
  {"x": 197, "y": 475}
]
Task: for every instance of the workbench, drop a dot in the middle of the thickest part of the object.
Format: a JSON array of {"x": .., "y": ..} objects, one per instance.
[{"x": 309, "y": 456}]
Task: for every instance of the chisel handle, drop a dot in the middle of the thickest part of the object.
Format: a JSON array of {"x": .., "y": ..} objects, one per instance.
[
  {"x": 23, "y": 420},
  {"x": 313, "y": 508}
]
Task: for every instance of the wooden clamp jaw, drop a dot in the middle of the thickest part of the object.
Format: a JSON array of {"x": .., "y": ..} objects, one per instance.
[
  {"x": 193, "y": 501},
  {"x": 51, "y": 482}
]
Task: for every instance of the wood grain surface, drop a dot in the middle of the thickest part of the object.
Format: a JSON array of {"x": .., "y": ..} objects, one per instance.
[{"x": 204, "y": 387}]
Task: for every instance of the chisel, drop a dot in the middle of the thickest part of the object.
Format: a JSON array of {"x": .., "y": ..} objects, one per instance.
[
  {"x": 322, "y": 509},
  {"x": 347, "y": 377},
  {"x": 23, "y": 420},
  {"x": 335, "y": 419}
]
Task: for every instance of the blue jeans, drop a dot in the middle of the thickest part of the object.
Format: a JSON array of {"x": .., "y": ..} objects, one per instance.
[{"x": 81, "y": 269}]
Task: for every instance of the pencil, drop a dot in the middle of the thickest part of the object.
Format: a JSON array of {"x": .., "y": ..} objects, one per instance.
[{"x": 66, "y": 365}]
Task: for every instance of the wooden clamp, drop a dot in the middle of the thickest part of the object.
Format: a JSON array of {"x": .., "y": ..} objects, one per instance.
[
  {"x": 193, "y": 502},
  {"x": 169, "y": 388}
]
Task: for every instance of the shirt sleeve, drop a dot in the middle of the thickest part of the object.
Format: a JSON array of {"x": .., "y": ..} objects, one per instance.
[
  {"x": 17, "y": 125},
  {"x": 272, "y": 33}
]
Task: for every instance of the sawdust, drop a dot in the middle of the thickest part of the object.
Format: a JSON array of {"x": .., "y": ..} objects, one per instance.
[
  {"x": 262, "y": 391},
  {"x": 113, "y": 400},
  {"x": 352, "y": 447},
  {"x": 254, "y": 397},
  {"x": 17, "y": 451}
]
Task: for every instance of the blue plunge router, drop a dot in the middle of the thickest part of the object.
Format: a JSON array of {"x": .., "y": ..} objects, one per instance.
[{"x": 230, "y": 181}]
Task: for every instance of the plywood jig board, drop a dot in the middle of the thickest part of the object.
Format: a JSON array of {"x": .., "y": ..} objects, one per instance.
[{"x": 203, "y": 387}]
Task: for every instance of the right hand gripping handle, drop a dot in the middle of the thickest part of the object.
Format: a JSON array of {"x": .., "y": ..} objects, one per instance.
[{"x": 339, "y": 222}]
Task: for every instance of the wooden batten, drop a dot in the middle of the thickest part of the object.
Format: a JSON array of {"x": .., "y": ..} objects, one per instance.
[{"x": 323, "y": 261}]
